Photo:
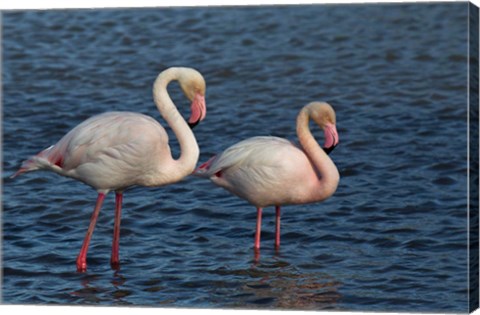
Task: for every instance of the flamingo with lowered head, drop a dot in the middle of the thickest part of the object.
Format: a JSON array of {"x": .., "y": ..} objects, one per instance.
[
  {"x": 117, "y": 150},
  {"x": 271, "y": 171}
]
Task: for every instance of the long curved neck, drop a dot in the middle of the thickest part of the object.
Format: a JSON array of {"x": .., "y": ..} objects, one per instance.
[
  {"x": 190, "y": 152},
  {"x": 326, "y": 169}
]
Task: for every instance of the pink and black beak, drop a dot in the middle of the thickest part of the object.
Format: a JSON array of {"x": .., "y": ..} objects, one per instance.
[
  {"x": 192, "y": 125},
  {"x": 331, "y": 138},
  {"x": 199, "y": 110}
]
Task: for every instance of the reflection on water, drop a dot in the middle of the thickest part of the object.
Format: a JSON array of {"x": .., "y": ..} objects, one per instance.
[
  {"x": 87, "y": 293},
  {"x": 295, "y": 291},
  {"x": 90, "y": 292},
  {"x": 265, "y": 285},
  {"x": 281, "y": 285}
]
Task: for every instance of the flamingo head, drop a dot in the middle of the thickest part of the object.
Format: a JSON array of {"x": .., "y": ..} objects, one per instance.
[
  {"x": 324, "y": 115},
  {"x": 193, "y": 86}
]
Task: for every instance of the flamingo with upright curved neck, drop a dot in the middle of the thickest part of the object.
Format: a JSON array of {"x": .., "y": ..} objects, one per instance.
[
  {"x": 271, "y": 171},
  {"x": 117, "y": 150}
]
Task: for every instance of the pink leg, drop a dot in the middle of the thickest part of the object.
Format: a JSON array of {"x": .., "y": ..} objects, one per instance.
[
  {"x": 115, "y": 261},
  {"x": 82, "y": 256},
  {"x": 259, "y": 227},
  {"x": 277, "y": 227}
]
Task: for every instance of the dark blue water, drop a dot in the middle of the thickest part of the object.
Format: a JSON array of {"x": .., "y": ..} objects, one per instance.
[{"x": 392, "y": 238}]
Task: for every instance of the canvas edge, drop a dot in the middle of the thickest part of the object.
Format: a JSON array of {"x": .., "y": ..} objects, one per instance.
[{"x": 473, "y": 156}]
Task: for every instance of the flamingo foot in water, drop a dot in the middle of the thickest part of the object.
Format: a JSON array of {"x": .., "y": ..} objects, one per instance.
[{"x": 256, "y": 256}]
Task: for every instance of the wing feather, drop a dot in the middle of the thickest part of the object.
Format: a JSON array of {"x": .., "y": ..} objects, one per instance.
[{"x": 256, "y": 151}]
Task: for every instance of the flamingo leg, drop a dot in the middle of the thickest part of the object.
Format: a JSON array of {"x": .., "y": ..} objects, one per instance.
[
  {"x": 115, "y": 261},
  {"x": 277, "y": 227},
  {"x": 259, "y": 227},
  {"x": 82, "y": 256}
]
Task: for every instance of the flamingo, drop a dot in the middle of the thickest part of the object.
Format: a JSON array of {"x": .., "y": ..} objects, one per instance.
[
  {"x": 117, "y": 150},
  {"x": 271, "y": 171}
]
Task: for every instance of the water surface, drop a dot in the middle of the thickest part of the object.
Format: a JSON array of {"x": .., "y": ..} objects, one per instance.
[{"x": 392, "y": 238}]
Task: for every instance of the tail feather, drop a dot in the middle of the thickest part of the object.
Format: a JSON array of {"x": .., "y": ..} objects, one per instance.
[
  {"x": 27, "y": 166},
  {"x": 21, "y": 170},
  {"x": 36, "y": 162},
  {"x": 203, "y": 169}
]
